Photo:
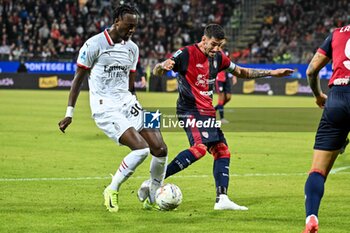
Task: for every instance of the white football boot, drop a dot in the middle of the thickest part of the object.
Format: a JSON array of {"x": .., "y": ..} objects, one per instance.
[
  {"x": 225, "y": 203},
  {"x": 143, "y": 191}
]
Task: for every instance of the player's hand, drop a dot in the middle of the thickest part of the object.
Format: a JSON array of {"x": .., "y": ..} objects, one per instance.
[
  {"x": 281, "y": 72},
  {"x": 321, "y": 100},
  {"x": 63, "y": 124},
  {"x": 168, "y": 64}
]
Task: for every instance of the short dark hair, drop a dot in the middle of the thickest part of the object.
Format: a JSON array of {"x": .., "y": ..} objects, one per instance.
[
  {"x": 124, "y": 9},
  {"x": 215, "y": 31}
]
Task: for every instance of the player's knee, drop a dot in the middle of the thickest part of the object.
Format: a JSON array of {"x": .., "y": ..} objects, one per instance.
[
  {"x": 220, "y": 151},
  {"x": 198, "y": 150},
  {"x": 160, "y": 150},
  {"x": 228, "y": 98}
]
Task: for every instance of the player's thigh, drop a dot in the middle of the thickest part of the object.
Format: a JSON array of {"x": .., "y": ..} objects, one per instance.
[
  {"x": 133, "y": 139},
  {"x": 155, "y": 141}
]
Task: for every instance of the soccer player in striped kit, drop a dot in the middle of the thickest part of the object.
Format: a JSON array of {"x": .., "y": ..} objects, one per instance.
[
  {"x": 198, "y": 66},
  {"x": 334, "y": 125}
]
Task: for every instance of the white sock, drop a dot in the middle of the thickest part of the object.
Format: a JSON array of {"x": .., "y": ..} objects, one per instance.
[
  {"x": 308, "y": 218},
  {"x": 158, "y": 169},
  {"x": 128, "y": 166}
]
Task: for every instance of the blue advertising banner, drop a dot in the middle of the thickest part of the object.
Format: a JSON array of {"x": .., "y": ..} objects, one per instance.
[
  {"x": 51, "y": 67},
  {"x": 40, "y": 67},
  {"x": 70, "y": 67},
  {"x": 9, "y": 66}
]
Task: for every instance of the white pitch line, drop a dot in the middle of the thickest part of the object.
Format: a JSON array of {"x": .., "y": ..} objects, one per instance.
[
  {"x": 336, "y": 170},
  {"x": 145, "y": 177}
]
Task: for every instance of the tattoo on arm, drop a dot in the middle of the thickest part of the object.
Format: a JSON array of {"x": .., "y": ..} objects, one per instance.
[
  {"x": 312, "y": 74},
  {"x": 313, "y": 80},
  {"x": 254, "y": 73}
]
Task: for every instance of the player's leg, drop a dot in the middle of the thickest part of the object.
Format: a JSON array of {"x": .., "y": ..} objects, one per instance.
[
  {"x": 185, "y": 158},
  {"x": 227, "y": 97},
  {"x": 159, "y": 153},
  {"x": 222, "y": 155},
  {"x": 314, "y": 186},
  {"x": 120, "y": 129},
  {"x": 189, "y": 156},
  {"x": 139, "y": 153},
  {"x": 131, "y": 161},
  {"x": 330, "y": 137}
]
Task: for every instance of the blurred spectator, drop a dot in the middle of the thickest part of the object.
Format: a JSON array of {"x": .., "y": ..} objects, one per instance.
[
  {"x": 292, "y": 28},
  {"x": 60, "y": 27}
]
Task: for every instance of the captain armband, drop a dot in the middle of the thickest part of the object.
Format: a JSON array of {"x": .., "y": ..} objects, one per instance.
[{"x": 231, "y": 68}]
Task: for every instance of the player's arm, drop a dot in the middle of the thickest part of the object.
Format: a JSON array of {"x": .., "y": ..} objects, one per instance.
[
  {"x": 163, "y": 67},
  {"x": 132, "y": 78},
  {"x": 248, "y": 73},
  {"x": 79, "y": 77},
  {"x": 317, "y": 63}
]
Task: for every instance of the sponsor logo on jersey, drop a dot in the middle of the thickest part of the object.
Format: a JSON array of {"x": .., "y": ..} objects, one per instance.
[
  {"x": 341, "y": 81},
  {"x": 206, "y": 93},
  {"x": 201, "y": 80},
  {"x": 199, "y": 65}
]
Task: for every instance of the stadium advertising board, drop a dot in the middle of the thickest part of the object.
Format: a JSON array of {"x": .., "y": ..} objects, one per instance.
[
  {"x": 37, "y": 81},
  {"x": 276, "y": 86},
  {"x": 70, "y": 67},
  {"x": 263, "y": 86},
  {"x": 40, "y": 67}
]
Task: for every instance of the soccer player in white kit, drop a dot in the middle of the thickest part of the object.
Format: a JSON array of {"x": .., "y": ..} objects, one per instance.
[{"x": 109, "y": 61}]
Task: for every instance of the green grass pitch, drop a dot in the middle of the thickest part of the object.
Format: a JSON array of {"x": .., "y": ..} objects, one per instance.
[{"x": 53, "y": 182}]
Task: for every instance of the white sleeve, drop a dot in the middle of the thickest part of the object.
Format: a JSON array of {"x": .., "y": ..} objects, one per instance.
[
  {"x": 135, "y": 59},
  {"x": 87, "y": 55}
]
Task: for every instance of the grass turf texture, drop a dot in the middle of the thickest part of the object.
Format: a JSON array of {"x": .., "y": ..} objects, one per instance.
[{"x": 268, "y": 172}]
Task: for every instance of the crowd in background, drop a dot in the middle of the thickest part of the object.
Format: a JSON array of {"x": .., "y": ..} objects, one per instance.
[
  {"x": 292, "y": 30},
  {"x": 46, "y": 30},
  {"x": 55, "y": 30}
]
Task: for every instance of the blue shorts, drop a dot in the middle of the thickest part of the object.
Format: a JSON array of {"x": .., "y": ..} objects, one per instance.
[
  {"x": 224, "y": 87},
  {"x": 335, "y": 122},
  {"x": 208, "y": 134}
]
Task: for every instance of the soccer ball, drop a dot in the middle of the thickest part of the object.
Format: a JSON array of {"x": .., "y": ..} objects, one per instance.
[{"x": 168, "y": 197}]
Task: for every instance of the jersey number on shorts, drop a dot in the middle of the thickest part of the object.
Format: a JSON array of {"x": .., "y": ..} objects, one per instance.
[{"x": 135, "y": 110}]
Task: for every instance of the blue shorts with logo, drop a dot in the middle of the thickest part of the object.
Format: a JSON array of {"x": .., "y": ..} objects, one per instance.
[
  {"x": 224, "y": 87},
  {"x": 208, "y": 133},
  {"x": 335, "y": 121}
]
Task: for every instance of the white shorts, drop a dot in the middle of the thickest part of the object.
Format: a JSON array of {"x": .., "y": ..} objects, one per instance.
[{"x": 114, "y": 122}]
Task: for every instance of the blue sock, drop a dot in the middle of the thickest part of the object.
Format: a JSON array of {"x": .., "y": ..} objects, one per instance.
[
  {"x": 221, "y": 175},
  {"x": 314, "y": 189},
  {"x": 180, "y": 162},
  {"x": 220, "y": 108}
]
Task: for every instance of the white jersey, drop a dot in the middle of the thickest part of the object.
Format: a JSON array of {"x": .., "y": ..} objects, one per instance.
[{"x": 110, "y": 65}]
